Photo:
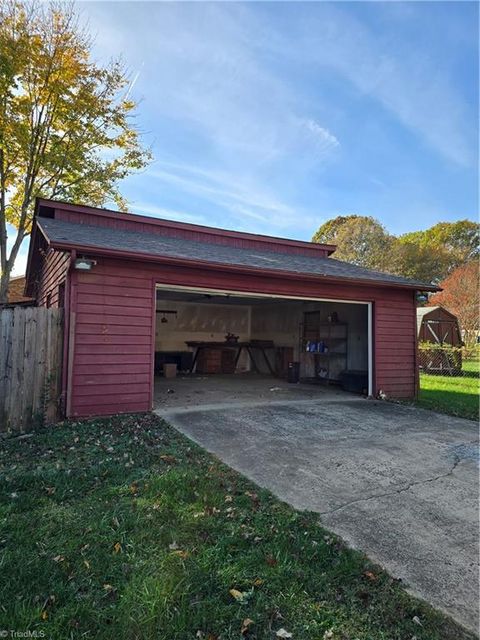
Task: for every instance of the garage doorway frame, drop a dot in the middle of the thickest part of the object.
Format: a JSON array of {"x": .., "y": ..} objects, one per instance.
[{"x": 246, "y": 294}]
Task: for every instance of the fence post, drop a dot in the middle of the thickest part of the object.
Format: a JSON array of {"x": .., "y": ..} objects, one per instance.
[{"x": 6, "y": 327}]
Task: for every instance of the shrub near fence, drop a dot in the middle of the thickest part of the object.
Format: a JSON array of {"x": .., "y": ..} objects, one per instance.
[
  {"x": 31, "y": 343},
  {"x": 443, "y": 359}
]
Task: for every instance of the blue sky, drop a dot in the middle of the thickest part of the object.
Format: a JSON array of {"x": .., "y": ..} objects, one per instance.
[{"x": 274, "y": 117}]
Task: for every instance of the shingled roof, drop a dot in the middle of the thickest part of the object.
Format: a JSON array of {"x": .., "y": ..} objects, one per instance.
[
  {"x": 16, "y": 292},
  {"x": 62, "y": 234}
]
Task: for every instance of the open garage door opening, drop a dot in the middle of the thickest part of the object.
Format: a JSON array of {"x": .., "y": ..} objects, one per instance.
[{"x": 224, "y": 346}]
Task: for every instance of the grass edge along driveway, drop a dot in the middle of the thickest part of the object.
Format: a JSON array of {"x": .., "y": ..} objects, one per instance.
[
  {"x": 453, "y": 395},
  {"x": 123, "y": 528}
]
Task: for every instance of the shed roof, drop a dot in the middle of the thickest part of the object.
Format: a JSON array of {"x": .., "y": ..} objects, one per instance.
[
  {"x": 66, "y": 235},
  {"x": 422, "y": 312}
]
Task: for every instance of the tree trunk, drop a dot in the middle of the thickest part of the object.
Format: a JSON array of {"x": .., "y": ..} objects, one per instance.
[
  {"x": 4, "y": 283},
  {"x": 8, "y": 265}
]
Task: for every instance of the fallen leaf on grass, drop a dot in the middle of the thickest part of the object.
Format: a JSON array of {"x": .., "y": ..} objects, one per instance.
[
  {"x": 254, "y": 497},
  {"x": 134, "y": 488},
  {"x": 117, "y": 547},
  {"x": 283, "y": 633},
  {"x": 371, "y": 576},
  {"x": 258, "y": 581},
  {"x": 271, "y": 561},
  {"x": 245, "y": 624},
  {"x": 48, "y": 603},
  {"x": 241, "y": 596},
  {"x": 180, "y": 553}
]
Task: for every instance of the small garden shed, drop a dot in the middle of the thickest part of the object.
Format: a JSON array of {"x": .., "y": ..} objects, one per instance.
[
  {"x": 439, "y": 328},
  {"x": 437, "y": 325}
]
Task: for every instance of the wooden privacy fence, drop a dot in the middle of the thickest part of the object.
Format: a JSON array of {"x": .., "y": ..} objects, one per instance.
[{"x": 31, "y": 344}]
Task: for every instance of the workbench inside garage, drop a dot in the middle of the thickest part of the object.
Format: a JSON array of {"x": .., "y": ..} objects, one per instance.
[{"x": 223, "y": 357}]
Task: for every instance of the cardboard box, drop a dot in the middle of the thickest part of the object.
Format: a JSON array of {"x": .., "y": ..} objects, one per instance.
[{"x": 169, "y": 370}]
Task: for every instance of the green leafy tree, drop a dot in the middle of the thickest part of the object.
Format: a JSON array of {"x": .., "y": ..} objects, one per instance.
[
  {"x": 426, "y": 256},
  {"x": 66, "y": 127},
  {"x": 361, "y": 240},
  {"x": 418, "y": 262},
  {"x": 459, "y": 241},
  {"x": 327, "y": 233}
]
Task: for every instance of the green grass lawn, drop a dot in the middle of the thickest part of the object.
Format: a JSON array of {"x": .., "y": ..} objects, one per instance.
[
  {"x": 455, "y": 395},
  {"x": 122, "y": 528}
]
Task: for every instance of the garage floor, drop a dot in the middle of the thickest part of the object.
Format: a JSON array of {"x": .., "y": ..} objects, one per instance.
[
  {"x": 399, "y": 483},
  {"x": 187, "y": 391}
]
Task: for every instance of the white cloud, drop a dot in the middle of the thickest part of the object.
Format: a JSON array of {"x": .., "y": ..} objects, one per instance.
[
  {"x": 203, "y": 65},
  {"x": 224, "y": 190},
  {"x": 254, "y": 98},
  {"x": 323, "y": 139},
  {"x": 403, "y": 77}
]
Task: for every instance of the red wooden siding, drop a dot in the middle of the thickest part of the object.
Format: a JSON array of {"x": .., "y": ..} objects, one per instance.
[
  {"x": 113, "y": 309},
  {"x": 54, "y": 272},
  {"x": 395, "y": 346}
]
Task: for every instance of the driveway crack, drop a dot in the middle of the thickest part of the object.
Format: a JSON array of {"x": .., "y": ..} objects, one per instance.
[{"x": 395, "y": 491}]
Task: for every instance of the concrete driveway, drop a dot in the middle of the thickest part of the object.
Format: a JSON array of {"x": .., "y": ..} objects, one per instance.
[{"x": 399, "y": 483}]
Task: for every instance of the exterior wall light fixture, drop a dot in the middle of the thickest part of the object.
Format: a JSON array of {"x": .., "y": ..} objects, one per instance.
[{"x": 84, "y": 264}]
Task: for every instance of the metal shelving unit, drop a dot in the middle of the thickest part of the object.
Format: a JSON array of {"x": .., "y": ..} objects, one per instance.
[{"x": 327, "y": 344}]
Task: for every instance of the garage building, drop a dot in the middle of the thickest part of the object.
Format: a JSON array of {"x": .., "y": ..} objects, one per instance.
[{"x": 141, "y": 293}]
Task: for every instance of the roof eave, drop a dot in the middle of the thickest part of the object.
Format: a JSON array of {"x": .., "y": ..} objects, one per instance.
[{"x": 147, "y": 257}]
